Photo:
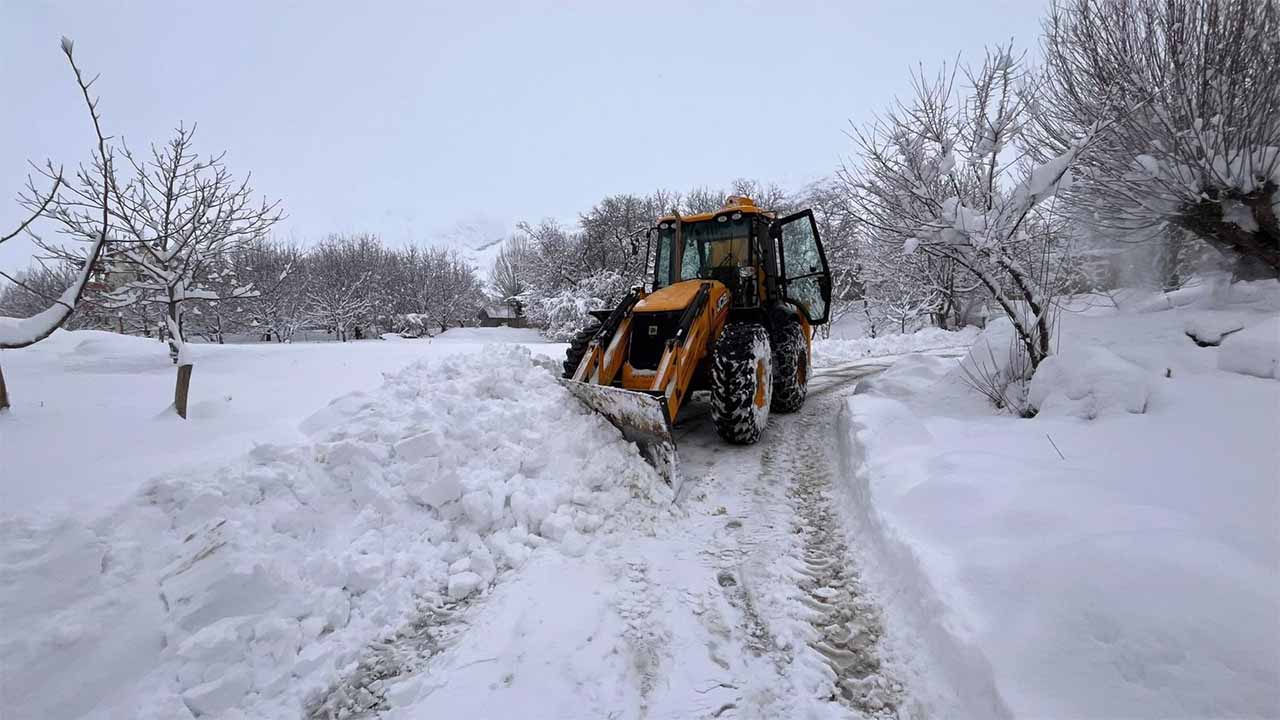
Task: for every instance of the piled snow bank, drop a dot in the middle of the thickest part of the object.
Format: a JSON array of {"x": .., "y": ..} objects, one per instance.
[
  {"x": 257, "y": 585},
  {"x": 1134, "y": 575},
  {"x": 908, "y": 376},
  {"x": 1253, "y": 351},
  {"x": 1089, "y": 382},
  {"x": 835, "y": 351}
]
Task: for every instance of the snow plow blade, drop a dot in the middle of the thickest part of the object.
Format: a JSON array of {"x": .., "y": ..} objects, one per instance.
[{"x": 643, "y": 419}]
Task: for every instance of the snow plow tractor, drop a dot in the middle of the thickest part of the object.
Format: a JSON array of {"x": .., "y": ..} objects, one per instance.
[{"x": 734, "y": 298}]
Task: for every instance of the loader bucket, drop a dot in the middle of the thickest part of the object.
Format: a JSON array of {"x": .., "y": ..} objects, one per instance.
[{"x": 643, "y": 419}]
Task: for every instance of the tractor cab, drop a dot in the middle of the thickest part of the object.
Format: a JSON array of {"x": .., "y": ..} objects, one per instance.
[{"x": 761, "y": 259}]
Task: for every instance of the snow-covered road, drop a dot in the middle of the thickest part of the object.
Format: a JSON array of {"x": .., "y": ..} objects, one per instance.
[{"x": 740, "y": 600}]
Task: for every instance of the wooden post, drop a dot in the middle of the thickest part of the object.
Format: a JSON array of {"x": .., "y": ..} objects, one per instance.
[
  {"x": 181, "y": 390},
  {"x": 4, "y": 393}
]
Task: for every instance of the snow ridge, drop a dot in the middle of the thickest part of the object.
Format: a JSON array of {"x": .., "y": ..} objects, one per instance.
[{"x": 267, "y": 585}]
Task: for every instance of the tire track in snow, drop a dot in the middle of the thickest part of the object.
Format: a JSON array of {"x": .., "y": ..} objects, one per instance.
[
  {"x": 788, "y": 518},
  {"x": 362, "y": 692},
  {"x": 845, "y": 618}
]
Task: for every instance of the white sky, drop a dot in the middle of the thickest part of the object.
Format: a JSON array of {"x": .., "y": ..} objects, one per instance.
[{"x": 407, "y": 118}]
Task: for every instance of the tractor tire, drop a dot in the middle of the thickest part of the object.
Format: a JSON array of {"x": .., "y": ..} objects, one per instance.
[
  {"x": 790, "y": 368},
  {"x": 741, "y": 383},
  {"x": 578, "y": 348}
]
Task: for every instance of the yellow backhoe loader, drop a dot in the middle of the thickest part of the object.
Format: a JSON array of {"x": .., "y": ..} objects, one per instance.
[{"x": 734, "y": 298}]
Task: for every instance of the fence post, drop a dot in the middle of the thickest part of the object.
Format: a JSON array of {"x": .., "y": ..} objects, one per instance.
[{"x": 181, "y": 390}]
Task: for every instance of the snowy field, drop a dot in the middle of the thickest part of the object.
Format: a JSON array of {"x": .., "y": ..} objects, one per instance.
[
  {"x": 88, "y": 425},
  {"x": 1115, "y": 556}
]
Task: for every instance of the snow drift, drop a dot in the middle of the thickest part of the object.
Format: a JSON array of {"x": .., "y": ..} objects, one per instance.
[
  {"x": 257, "y": 585},
  {"x": 835, "y": 351},
  {"x": 1120, "y": 566}
]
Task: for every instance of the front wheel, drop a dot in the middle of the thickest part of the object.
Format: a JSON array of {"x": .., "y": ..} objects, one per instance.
[
  {"x": 578, "y": 348},
  {"x": 741, "y": 383}
]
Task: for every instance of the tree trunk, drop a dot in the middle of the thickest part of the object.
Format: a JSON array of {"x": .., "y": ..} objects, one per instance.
[
  {"x": 182, "y": 390},
  {"x": 4, "y": 393}
]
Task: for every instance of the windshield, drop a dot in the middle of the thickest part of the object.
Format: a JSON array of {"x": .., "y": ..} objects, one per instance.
[{"x": 705, "y": 247}]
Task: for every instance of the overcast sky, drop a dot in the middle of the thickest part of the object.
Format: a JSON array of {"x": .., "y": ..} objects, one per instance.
[{"x": 407, "y": 118}]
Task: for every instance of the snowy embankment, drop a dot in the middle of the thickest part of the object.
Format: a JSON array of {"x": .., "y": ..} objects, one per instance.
[
  {"x": 259, "y": 584},
  {"x": 1116, "y": 555},
  {"x": 837, "y": 351},
  {"x": 88, "y": 424}
]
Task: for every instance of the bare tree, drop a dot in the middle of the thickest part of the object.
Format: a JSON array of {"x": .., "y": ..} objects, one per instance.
[
  {"x": 1190, "y": 93},
  {"x": 22, "y": 332},
  {"x": 172, "y": 223},
  {"x": 508, "y": 279},
  {"x": 943, "y": 176},
  {"x": 278, "y": 271},
  {"x": 339, "y": 282}
]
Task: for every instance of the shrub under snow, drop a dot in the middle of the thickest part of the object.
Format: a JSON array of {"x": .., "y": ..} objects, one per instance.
[{"x": 1089, "y": 382}]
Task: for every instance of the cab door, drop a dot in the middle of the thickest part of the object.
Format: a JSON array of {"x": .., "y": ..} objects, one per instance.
[{"x": 805, "y": 277}]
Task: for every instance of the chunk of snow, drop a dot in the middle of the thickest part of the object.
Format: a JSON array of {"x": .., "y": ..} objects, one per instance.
[
  {"x": 1089, "y": 382},
  {"x": 215, "y": 696},
  {"x": 418, "y": 447},
  {"x": 463, "y": 584},
  {"x": 437, "y": 491},
  {"x": 1253, "y": 351},
  {"x": 1046, "y": 179}
]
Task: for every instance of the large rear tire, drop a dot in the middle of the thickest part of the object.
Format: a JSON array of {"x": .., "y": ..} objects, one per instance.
[
  {"x": 578, "y": 348},
  {"x": 741, "y": 383},
  {"x": 790, "y": 368}
]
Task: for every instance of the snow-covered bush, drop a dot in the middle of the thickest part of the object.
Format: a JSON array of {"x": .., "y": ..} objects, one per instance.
[
  {"x": 412, "y": 325},
  {"x": 998, "y": 367},
  {"x": 564, "y": 312},
  {"x": 1089, "y": 382}
]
